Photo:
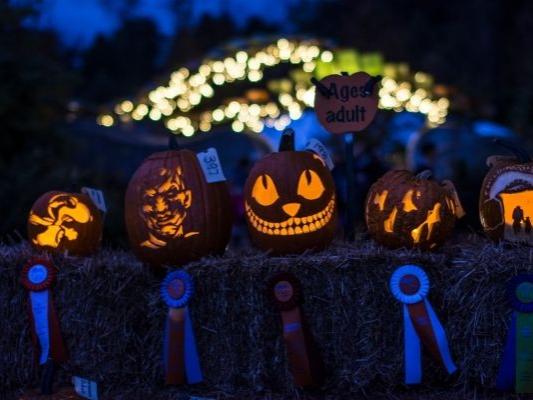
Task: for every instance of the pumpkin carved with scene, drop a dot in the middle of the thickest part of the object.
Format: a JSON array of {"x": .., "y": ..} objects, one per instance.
[
  {"x": 290, "y": 201},
  {"x": 65, "y": 222},
  {"x": 506, "y": 198},
  {"x": 412, "y": 211}
]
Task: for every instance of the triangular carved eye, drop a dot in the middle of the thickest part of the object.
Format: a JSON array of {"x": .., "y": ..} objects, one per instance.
[
  {"x": 264, "y": 190},
  {"x": 310, "y": 185}
]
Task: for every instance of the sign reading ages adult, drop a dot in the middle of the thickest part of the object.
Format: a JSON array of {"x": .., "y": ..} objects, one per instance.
[{"x": 346, "y": 103}]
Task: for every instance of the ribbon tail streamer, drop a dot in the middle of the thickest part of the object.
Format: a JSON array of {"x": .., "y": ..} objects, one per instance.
[
  {"x": 295, "y": 342},
  {"x": 412, "y": 351},
  {"x": 442, "y": 341},
  {"x": 524, "y": 352},
  {"x": 506, "y": 374},
  {"x": 192, "y": 361},
  {"x": 173, "y": 350},
  {"x": 39, "y": 316}
]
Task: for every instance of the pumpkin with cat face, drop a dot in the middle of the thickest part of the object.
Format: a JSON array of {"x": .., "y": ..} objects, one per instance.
[
  {"x": 290, "y": 201},
  {"x": 506, "y": 198}
]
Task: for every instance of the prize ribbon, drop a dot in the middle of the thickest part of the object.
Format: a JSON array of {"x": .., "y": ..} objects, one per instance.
[
  {"x": 516, "y": 370},
  {"x": 180, "y": 356},
  {"x": 38, "y": 277},
  {"x": 410, "y": 285},
  {"x": 305, "y": 363}
]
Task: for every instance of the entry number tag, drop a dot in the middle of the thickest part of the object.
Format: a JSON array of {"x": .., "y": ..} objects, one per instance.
[
  {"x": 97, "y": 197},
  {"x": 85, "y": 388},
  {"x": 317, "y": 147},
  {"x": 211, "y": 166}
]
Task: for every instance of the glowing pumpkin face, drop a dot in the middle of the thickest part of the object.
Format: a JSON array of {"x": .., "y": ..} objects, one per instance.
[
  {"x": 403, "y": 210},
  {"x": 61, "y": 222},
  {"x": 172, "y": 214},
  {"x": 290, "y": 202},
  {"x": 506, "y": 200}
]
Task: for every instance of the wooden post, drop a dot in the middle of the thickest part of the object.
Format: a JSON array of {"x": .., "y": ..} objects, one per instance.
[{"x": 349, "y": 229}]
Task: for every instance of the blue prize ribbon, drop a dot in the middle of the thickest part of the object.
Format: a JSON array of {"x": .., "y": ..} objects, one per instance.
[
  {"x": 412, "y": 344},
  {"x": 193, "y": 372},
  {"x": 517, "y": 364}
]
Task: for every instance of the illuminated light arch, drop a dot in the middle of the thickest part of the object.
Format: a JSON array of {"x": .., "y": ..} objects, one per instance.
[{"x": 178, "y": 103}]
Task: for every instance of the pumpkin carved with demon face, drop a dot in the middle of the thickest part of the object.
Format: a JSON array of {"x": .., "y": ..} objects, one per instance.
[
  {"x": 61, "y": 221},
  {"x": 290, "y": 201},
  {"x": 506, "y": 198},
  {"x": 404, "y": 210},
  {"x": 173, "y": 215}
]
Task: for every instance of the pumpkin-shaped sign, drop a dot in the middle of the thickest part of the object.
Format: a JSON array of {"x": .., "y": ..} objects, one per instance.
[
  {"x": 506, "y": 198},
  {"x": 407, "y": 210},
  {"x": 61, "y": 221},
  {"x": 290, "y": 201},
  {"x": 173, "y": 215}
]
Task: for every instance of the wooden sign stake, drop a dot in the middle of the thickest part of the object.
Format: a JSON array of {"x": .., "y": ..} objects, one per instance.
[{"x": 346, "y": 104}]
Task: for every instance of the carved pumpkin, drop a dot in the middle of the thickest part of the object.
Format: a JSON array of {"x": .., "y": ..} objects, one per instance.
[
  {"x": 173, "y": 215},
  {"x": 290, "y": 201},
  {"x": 61, "y": 221},
  {"x": 506, "y": 198},
  {"x": 404, "y": 210}
]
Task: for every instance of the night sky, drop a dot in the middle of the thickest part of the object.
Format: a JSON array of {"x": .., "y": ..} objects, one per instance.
[{"x": 79, "y": 21}]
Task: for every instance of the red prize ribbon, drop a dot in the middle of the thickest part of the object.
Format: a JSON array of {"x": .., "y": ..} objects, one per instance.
[
  {"x": 38, "y": 277},
  {"x": 305, "y": 363}
]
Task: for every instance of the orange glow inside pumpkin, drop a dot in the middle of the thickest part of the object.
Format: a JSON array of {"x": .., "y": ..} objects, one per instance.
[
  {"x": 518, "y": 213},
  {"x": 432, "y": 218},
  {"x": 407, "y": 201},
  {"x": 380, "y": 199},
  {"x": 164, "y": 209},
  {"x": 62, "y": 210}
]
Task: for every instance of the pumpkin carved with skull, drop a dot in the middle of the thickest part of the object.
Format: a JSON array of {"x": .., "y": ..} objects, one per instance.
[
  {"x": 290, "y": 201},
  {"x": 173, "y": 215},
  {"x": 61, "y": 221},
  {"x": 506, "y": 198},
  {"x": 404, "y": 210}
]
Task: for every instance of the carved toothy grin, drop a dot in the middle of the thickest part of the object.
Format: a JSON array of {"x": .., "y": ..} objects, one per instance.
[{"x": 292, "y": 225}]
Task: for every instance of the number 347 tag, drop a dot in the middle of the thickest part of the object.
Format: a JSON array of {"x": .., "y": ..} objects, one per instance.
[{"x": 211, "y": 166}]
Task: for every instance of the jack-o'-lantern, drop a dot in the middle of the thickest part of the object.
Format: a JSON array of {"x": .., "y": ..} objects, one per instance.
[
  {"x": 506, "y": 198},
  {"x": 290, "y": 201},
  {"x": 173, "y": 215},
  {"x": 412, "y": 211},
  {"x": 61, "y": 221}
]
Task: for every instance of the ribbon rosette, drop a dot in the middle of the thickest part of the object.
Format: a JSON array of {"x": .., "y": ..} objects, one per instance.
[
  {"x": 38, "y": 277},
  {"x": 516, "y": 370},
  {"x": 410, "y": 285},
  {"x": 180, "y": 355},
  {"x": 305, "y": 363}
]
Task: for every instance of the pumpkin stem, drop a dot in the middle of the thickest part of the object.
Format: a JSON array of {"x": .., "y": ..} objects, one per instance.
[
  {"x": 425, "y": 174},
  {"x": 173, "y": 142},
  {"x": 519, "y": 153},
  {"x": 369, "y": 87},
  {"x": 287, "y": 140}
]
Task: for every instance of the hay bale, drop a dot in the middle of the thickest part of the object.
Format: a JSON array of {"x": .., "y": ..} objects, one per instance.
[{"x": 112, "y": 319}]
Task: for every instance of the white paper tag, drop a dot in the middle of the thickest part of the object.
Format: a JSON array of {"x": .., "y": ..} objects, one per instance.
[
  {"x": 97, "y": 197},
  {"x": 317, "y": 147},
  {"x": 85, "y": 388},
  {"x": 211, "y": 166}
]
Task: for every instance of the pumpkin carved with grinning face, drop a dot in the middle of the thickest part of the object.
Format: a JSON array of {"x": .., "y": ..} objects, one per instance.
[
  {"x": 290, "y": 201},
  {"x": 404, "y": 210},
  {"x": 173, "y": 215},
  {"x": 61, "y": 221},
  {"x": 506, "y": 198}
]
